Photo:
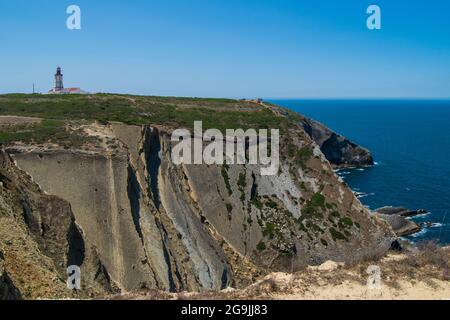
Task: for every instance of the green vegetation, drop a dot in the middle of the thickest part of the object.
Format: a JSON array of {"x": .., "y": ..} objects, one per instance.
[
  {"x": 242, "y": 181},
  {"x": 226, "y": 179},
  {"x": 312, "y": 220},
  {"x": 347, "y": 222},
  {"x": 271, "y": 204},
  {"x": 336, "y": 235},
  {"x": 269, "y": 230},
  {"x": 261, "y": 246},
  {"x": 45, "y": 131},
  {"x": 335, "y": 214},
  {"x": 138, "y": 110},
  {"x": 242, "y": 184},
  {"x": 318, "y": 200},
  {"x": 303, "y": 155},
  {"x": 256, "y": 201},
  {"x": 314, "y": 207},
  {"x": 301, "y": 226}
]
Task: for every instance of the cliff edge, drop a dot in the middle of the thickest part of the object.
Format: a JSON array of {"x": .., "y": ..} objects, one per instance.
[{"x": 106, "y": 195}]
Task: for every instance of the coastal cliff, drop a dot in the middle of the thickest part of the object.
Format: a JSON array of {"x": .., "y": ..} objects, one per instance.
[
  {"x": 108, "y": 197},
  {"x": 340, "y": 151}
]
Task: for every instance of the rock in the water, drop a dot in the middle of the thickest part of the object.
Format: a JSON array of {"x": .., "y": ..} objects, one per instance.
[
  {"x": 403, "y": 212},
  {"x": 401, "y": 226}
]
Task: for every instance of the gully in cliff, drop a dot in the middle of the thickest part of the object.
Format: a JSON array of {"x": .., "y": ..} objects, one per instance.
[{"x": 229, "y": 149}]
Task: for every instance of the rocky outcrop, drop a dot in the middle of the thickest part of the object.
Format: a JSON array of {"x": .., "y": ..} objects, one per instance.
[
  {"x": 401, "y": 226},
  {"x": 397, "y": 217},
  {"x": 400, "y": 211},
  {"x": 340, "y": 151}
]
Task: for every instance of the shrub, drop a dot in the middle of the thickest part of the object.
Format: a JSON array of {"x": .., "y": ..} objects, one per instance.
[
  {"x": 261, "y": 246},
  {"x": 269, "y": 230},
  {"x": 346, "y": 221},
  {"x": 336, "y": 235},
  {"x": 226, "y": 179},
  {"x": 303, "y": 155}
]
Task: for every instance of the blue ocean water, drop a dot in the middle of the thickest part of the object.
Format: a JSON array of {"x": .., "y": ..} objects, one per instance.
[{"x": 410, "y": 141}]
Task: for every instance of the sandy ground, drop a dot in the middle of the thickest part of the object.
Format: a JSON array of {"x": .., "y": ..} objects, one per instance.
[
  {"x": 399, "y": 279},
  {"x": 13, "y": 120},
  {"x": 351, "y": 290},
  {"x": 332, "y": 281},
  {"x": 347, "y": 290}
]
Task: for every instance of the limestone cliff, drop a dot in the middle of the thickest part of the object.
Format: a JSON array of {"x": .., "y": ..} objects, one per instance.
[
  {"x": 39, "y": 238},
  {"x": 138, "y": 222}
]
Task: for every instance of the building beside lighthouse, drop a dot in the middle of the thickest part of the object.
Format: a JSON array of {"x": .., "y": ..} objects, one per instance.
[{"x": 59, "y": 85}]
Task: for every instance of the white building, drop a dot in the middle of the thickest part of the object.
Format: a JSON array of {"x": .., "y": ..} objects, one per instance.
[{"x": 59, "y": 86}]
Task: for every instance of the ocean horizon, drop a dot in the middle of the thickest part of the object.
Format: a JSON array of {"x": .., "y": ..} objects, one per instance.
[{"x": 410, "y": 142}]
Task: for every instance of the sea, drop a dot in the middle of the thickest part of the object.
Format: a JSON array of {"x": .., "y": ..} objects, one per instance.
[{"x": 410, "y": 141}]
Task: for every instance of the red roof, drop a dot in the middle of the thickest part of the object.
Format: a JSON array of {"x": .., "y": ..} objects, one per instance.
[{"x": 73, "y": 89}]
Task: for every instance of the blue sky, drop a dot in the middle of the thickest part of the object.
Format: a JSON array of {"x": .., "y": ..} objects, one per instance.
[{"x": 230, "y": 48}]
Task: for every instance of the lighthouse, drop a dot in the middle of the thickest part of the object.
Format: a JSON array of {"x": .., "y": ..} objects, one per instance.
[{"x": 59, "y": 86}]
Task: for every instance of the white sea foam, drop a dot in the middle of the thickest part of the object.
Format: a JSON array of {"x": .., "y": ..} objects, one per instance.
[
  {"x": 436, "y": 225},
  {"x": 421, "y": 215},
  {"x": 360, "y": 194},
  {"x": 419, "y": 234}
]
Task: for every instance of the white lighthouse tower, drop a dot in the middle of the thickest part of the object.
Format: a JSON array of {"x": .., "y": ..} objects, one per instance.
[{"x": 59, "y": 86}]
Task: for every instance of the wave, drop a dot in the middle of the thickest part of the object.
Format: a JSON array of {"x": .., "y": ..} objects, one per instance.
[
  {"x": 360, "y": 195},
  {"x": 419, "y": 234},
  {"x": 420, "y": 215},
  {"x": 436, "y": 225},
  {"x": 432, "y": 225}
]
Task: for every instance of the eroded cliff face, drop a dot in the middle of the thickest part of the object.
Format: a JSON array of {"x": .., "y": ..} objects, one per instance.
[
  {"x": 137, "y": 221},
  {"x": 338, "y": 150},
  {"x": 39, "y": 239}
]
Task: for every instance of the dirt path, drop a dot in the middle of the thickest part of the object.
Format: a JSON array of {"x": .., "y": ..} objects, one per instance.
[{"x": 14, "y": 120}]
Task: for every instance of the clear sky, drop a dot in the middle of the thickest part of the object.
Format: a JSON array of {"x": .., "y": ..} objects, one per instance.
[{"x": 229, "y": 48}]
